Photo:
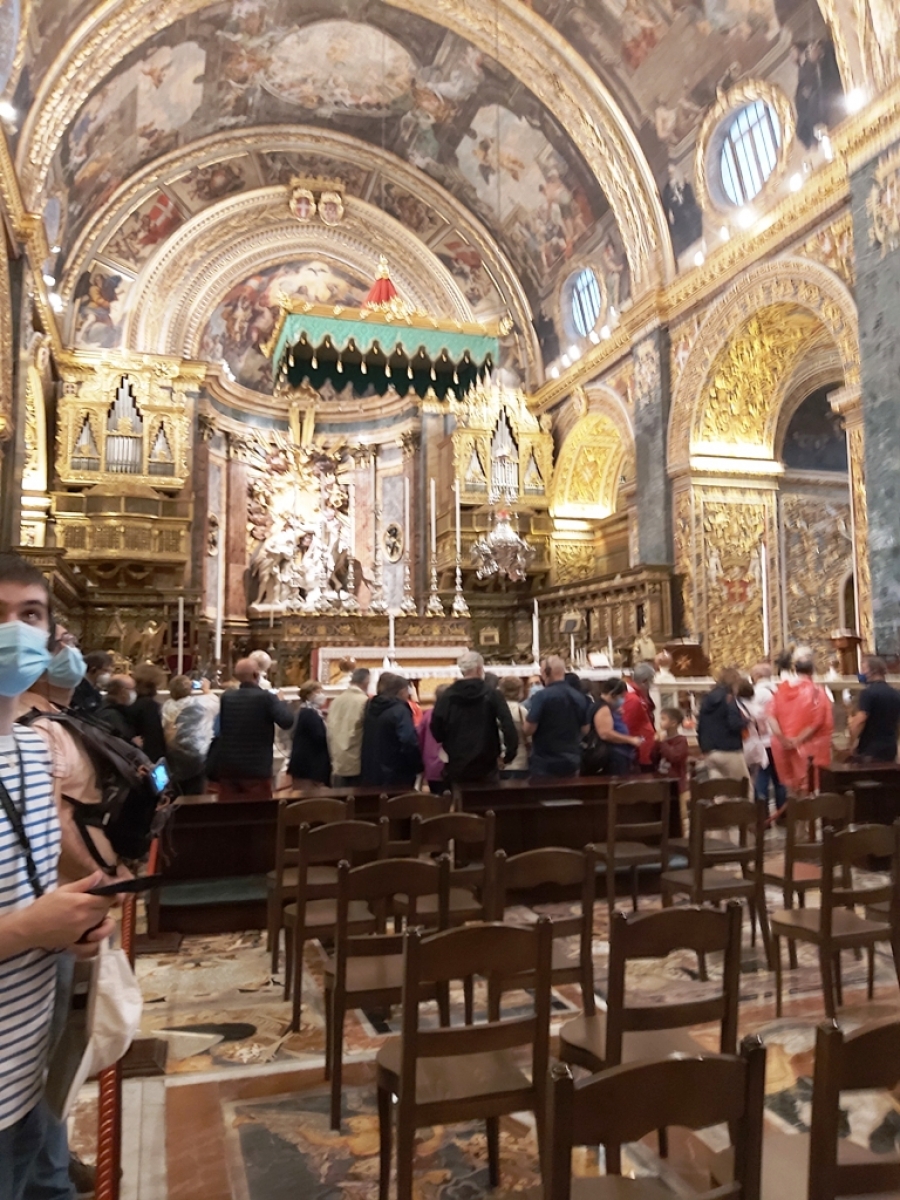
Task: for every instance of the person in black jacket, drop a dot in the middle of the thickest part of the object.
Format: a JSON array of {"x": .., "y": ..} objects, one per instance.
[
  {"x": 720, "y": 729},
  {"x": 310, "y": 761},
  {"x": 242, "y": 753},
  {"x": 145, "y": 715},
  {"x": 88, "y": 697},
  {"x": 468, "y": 721},
  {"x": 115, "y": 711},
  {"x": 390, "y": 746}
]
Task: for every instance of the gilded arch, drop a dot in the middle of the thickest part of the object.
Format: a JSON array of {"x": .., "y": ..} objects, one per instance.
[
  {"x": 774, "y": 309},
  {"x": 522, "y": 42},
  {"x": 590, "y": 464}
]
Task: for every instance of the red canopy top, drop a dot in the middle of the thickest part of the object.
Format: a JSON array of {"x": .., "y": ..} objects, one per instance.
[{"x": 382, "y": 291}]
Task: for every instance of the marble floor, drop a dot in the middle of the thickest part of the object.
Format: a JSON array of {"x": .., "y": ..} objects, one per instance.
[{"x": 242, "y": 1109}]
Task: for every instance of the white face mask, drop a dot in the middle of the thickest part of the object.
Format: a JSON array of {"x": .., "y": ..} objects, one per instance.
[
  {"x": 103, "y": 679},
  {"x": 317, "y": 699},
  {"x": 132, "y": 696}
]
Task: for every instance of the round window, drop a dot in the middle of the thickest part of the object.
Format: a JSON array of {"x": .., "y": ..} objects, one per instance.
[
  {"x": 750, "y": 149},
  {"x": 585, "y": 302}
]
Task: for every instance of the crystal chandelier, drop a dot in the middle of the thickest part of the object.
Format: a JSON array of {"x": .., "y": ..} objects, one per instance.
[{"x": 502, "y": 551}]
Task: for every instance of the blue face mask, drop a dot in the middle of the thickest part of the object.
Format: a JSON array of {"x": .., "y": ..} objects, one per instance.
[
  {"x": 24, "y": 657},
  {"x": 67, "y": 667}
]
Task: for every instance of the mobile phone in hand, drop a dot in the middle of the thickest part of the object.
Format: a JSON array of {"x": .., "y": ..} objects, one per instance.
[{"x": 143, "y": 883}]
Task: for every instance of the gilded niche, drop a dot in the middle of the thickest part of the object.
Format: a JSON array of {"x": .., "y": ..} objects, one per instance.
[
  {"x": 746, "y": 380},
  {"x": 818, "y": 549},
  {"x": 589, "y": 470}
]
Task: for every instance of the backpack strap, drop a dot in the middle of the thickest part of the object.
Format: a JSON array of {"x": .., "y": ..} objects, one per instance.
[{"x": 89, "y": 816}]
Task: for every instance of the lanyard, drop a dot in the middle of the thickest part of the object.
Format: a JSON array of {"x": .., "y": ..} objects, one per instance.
[{"x": 18, "y": 825}]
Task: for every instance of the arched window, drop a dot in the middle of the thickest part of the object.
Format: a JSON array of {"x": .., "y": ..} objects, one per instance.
[
  {"x": 586, "y": 301},
  {"x": 749, "y": 151}
]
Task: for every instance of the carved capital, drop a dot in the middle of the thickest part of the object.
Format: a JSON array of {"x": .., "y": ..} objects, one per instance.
[{"x": 847, "y": 403}]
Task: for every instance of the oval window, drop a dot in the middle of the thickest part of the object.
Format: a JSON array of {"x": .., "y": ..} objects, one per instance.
[
  {"x": 585, "y": 301},
  {"x": 750, "y": 151}
]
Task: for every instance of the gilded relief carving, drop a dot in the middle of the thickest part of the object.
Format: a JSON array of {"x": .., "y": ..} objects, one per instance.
[
  {"x": 856, "y": 437},
  {"x": 833, "y": 248},
  {"x": 883, "y": 205},
  {"x": 587, "y": 477},
  {"x": 572, "y": 561},
  {"x": 745, "y": 382},
  {"x": 646, "y": 372},
  {"x": 818, "y": 548}
]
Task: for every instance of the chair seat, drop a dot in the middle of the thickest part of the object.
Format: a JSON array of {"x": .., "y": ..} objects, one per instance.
[
  {"x": 461, "y": 1077},
  {"x": 617, "y": 1187},
  {"x": 630, "y": 852},
  {"x": 461, "y": 901},
  {"x": 321, "y": 914},
  {"x": 712, "y": 843},
  {"x": 378, "y": 973},
  {"x": 806, "y": 874},
  {"x": 315, "y": 877},
  {"x": 713, "y": 880},
  {"x": 844, "y": 923},
  {"x": 588, "y": 1035}
]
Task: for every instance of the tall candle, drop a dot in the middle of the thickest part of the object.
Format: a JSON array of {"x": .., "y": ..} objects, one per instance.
[
  {"x": 180, "y": 635},
  {"x": 433, "y": 518},
  {"x": 351, "y": 517},
  {"x": 458, "y": 528},
  {"x": 220, "y": 584},
  {"x": 406, "y": 512},
  {"x": 391, "y": 634},
  {"x": 536, "y": 634},
  {"x": 572, "y": 649}
]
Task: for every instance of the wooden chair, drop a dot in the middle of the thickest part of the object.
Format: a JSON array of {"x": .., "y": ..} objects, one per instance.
[
  {"x": 798, "y": 868},
  {"x": 637, "y": 815},
  {"x": 367, "y": 967},
  {"x": 866, "y": 1059},
  {"x": 470, "y": 1072},
  {"x": 282, "y": 882},
  {"x": 708, "y": 880},
  {"x": 468, "y": 840},
  {"x": 403, "y": 808},
  {"x": 834, "y": 926},
  {"x": 625, "y": 1103},
  {"x": 628, "y": 1031},
  {"x": 536, "y": 871},
  {"x": 709, "y": 789},
  {"x": 313, "y": 912}
]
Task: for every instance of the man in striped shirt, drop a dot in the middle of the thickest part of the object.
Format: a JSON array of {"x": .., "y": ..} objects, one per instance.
[{"x": 37, "y": 918}]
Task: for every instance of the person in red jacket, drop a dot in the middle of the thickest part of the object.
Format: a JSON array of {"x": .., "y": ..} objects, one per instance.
[{"x": 637, "y": 713}]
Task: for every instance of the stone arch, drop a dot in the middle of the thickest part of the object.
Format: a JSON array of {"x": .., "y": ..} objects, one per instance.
[
  {"x": 181, "y": 283},
  {"x": 595, "y": 449},
  {"x": 776, "y": 308},
  {"x": 522, "y": 42}
]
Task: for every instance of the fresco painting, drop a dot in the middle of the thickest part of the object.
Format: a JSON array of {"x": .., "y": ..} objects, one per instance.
[
  {"x": 10, "y": 19},
  {"x": 465, "y": 264},
  {"x": 245, "y": 317},
  {"x": 99, "y": 306},
  {"x": 393, "y": 78},
  {"x": 147, "y": 227}
]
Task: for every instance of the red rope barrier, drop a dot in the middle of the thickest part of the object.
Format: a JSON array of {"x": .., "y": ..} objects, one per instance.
[{"x": 109, "y": 1123}]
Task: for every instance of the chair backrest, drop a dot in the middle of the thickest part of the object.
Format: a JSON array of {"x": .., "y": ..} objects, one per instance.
[
  {"x": 403, "y": 808},
  {"x": 537, "y": 870},
  {"x": 639, "y": 812},
  {"x": 720, "y": 789},
  {"x": 746, "y": 817},
  {"x": 655, "y": 935},
  {"x": 378, "y": 883},
  {"x": 331, "y": 844},
  {"x": 501, "y": 954},
  {"x": 624, "y": 1104},
  {"x": 867, "y": 1059},
  {"x": 303, "y": 812},
  {"x": 843, "y": 851},
  {"x": 466, "y": 837},
  {"x": 806, "y": 817}
]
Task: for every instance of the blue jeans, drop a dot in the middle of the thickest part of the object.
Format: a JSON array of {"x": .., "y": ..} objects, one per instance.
[
  {"x": 764, "y": 776},
  {"x": 34, "y": 1158}
]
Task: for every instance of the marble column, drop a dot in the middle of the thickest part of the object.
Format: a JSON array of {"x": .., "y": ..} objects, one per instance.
[
  {"x": 874, "y": 190},
  {"x": 848, "y": 404},
  {"x": 653, "y": 493}
]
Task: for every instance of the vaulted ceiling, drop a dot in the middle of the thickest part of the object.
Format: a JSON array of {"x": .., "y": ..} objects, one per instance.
[{"x": 512, "y": 138}]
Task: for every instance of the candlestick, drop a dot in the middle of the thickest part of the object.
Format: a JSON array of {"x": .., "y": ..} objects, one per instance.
[
  {"x": 572, "y": 649},
  {"x": 764, "y": 588},
  {"x": 181, "y": 635},
  {"x": 434, "y": 608},
  {"x": 390, "y": 635},
  {"x": 408, "y": 603},
  {"x": 377, "y": 602},
  {"x": 536, "y": 633},
  {"x": 220, "y": 589},
  {"x": 459, "y": 607}
]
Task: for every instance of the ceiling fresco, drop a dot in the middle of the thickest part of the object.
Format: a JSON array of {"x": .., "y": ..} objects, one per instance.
[
  {"x": 395, "y": 80},
  {"x": 10, "y": 20}
]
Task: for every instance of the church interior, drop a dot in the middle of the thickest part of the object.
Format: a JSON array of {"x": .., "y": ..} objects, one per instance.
[{"x": 368, "y": 333}]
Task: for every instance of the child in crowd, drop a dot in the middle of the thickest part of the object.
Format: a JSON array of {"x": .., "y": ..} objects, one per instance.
[{"x": 670, "y": 757}]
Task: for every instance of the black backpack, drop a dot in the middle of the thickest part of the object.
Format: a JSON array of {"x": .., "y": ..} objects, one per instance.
[
  {"x": 131, "y": 811},
  {"x": 595, "y": 752}
]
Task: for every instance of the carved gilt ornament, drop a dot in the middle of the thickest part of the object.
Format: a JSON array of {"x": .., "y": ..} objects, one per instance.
[{"x": 883, "y": 205}]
